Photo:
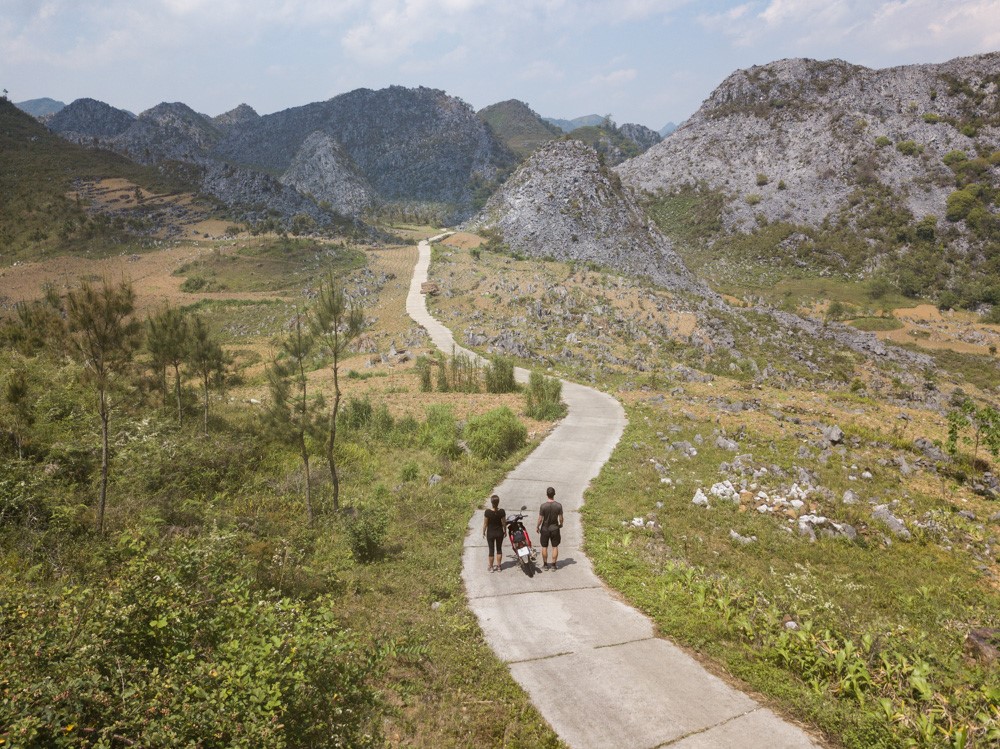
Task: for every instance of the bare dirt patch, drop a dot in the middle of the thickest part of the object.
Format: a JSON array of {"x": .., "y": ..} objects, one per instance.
[{"x": 926, "y": 326}]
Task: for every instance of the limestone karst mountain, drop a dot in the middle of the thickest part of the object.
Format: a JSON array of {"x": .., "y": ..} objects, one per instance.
[
  {"x": 517, "y": 125},
  {"x": 803, "y": 141},
  {"x": 323, "y": 170},
  {"x": 405, "y": 145},
  {"x": 564, "y": 203},
  {"x": 417, "y": 145}
]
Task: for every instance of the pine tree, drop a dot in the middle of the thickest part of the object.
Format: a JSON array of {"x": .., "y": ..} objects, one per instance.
[
  {"x": 206, "y": 358},
  {"x": 105, "y": 336},
  {"x": 167, "y": 339},
  {"x": 336, "y": 322},
  {"x": 290, "y": 413}
]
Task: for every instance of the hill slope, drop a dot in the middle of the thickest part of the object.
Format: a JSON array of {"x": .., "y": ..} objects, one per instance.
[
  {"x": 517, "y": 125},
  {"x": 564, "y": 203},
  {"x": 829, "y": 145},
  {"x": 40, "y": 170}
]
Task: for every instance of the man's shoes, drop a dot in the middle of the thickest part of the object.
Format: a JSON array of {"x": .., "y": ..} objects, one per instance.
[
  {"x": 545, "y": 566},
  {"x": 555, "y": 565}
]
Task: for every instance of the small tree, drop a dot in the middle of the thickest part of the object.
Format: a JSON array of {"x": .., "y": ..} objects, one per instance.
[
  {"x": 16, "y": 412},
  {"x": 206, "y": 359},
  {"x": 290, "y": 414},
  {"x": 167, "y": 339},
  {"x": 336, "y": 322},
  {"x": 105, "y": 337}
]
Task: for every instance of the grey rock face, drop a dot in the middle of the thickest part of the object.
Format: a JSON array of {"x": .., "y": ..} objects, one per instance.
[
  {"x": 564, "y": 203},
  {"x": 241, "y": 115},
  {"x": 323, "y": 170},
  {"x": 410, "y": 144},
  {"x": 800, "y": 135},
  {"x": 641, "y": 135},
  {"x": 86, "y": 119}
]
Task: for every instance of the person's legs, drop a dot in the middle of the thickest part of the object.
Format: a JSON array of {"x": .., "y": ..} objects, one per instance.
[
  {"x": 543, "y": 540},
  {"x": 555, "y": 539},
  {"x": 499, "y": 551}
]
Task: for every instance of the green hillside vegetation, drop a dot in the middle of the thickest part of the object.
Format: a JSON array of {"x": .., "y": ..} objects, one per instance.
[
  {"x": 211, "y": 612},
  {"x": 38, "y": 169},
  {"x": 925, "y": 258},
  {"x": 518, "y": 126}
]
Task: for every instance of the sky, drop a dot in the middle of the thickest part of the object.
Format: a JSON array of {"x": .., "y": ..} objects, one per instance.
[{"x": 644, "y": 61}]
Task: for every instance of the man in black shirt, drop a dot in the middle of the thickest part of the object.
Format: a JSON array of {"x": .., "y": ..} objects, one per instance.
[{"x": 550, "y": 520}]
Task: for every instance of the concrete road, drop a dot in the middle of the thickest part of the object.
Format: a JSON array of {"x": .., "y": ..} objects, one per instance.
[{"x": 590, "y": 663}]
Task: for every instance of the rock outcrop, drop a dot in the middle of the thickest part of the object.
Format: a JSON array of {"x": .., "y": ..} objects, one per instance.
[
  {"x": 564, "y": 203},
  {"x": 322, "y": 169},
  {"x": 793, "y": 140}
]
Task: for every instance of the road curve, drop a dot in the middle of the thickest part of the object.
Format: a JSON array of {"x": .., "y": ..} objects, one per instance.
[{"x": 590, "y": 663}]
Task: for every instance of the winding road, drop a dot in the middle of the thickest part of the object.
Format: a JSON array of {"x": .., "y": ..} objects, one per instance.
[{"x": 591, "y": 664}]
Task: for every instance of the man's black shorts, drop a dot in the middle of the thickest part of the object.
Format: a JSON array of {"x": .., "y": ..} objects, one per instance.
[{"x": 547, "y": 537}]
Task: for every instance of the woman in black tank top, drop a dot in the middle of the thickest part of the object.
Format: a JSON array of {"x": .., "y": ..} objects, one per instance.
[{"x": 494, "y": 529}]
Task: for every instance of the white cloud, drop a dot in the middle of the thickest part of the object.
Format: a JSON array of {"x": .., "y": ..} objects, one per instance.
[
  {"x": 615, "y": 78},
  {"x": 859, "y": 30}
]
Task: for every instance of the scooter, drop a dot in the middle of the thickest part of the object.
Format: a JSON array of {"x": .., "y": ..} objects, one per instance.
[{"x": 520, "y": 542}]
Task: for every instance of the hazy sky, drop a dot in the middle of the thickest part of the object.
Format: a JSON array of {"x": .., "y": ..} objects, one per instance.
[{"x": 645, "y": 61}]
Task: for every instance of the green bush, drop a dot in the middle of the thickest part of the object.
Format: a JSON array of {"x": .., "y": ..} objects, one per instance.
[
  {"x": 355, "y": 413},
  {"x": 762, "y": 179},
  {"x": 909, "y": 148},
  {"x": 440, "y": 432},
  {"x": 544, "y": 398},
  {"x": 959, "y": 204},
  {"x": 367, "y": 531},
  {"x": 496, "y": 434},
  {"x": 423, "y": 366},
  {"x": 882, "y": 141},
  {"x": 499, "y": 374},
  {"x": 180, "y": 649},
  {"x": 409, "y": 471},
  {"x": 954, "y": 158},
  {"x": 932, "y": 118}
]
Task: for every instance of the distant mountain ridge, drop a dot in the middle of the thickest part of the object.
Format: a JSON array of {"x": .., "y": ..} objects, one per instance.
[
  {"x": 410, "y": 145},
  {"x": 40, "y": 107},
  {"x": 568, "y": 126}
]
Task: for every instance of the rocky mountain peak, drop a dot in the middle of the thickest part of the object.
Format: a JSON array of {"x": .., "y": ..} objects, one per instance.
[
  {"x": 242, "y": 114},
  {"x": 794, "y": 140},
  {"x": 565, "y": 203},
  {"x": 89, "y": 118}
]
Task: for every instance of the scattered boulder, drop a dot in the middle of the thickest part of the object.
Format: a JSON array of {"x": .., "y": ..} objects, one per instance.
[
  {"x": 700, "y": 499},
  {"x": 983, "y": 644},
  {"x": 742, "y": 540},
  {"x": 896, "y": 526},
  {"x": 834, "y": 435}
]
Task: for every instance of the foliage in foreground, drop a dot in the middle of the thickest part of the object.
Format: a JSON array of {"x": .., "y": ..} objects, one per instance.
[{"x": 180, "y": 646}]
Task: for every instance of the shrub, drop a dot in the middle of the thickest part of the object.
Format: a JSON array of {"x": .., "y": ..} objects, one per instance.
[
  {"x": 932, "y": 118},
  {"x": 440, "y": 432},
  {"x": 762, "y": 179},
  {"x": 908, "y": 148},
  {"x": 544, "y": 398},
  {"x": 926, "y": 228},
  {"x": 423, "y": 365},
  {"x": 355, "y": 413},
  {"x": 882, "y": 141},
  {"x": 367, "y": 532},
  {"x": 495, "y": 434},
  {"x": 959, "y": 204},
  {"x": 948, "y": 300},
  {"x": 196, "y": 644},
  {"x": 953, "y": 158},
  {"x": 753, "y": 198},
  {"x": 499, "y": 375},
  {"x": 409, "y": 471}
]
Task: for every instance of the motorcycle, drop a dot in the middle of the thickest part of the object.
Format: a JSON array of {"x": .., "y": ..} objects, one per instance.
[{"x": 520, "y": 542}]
